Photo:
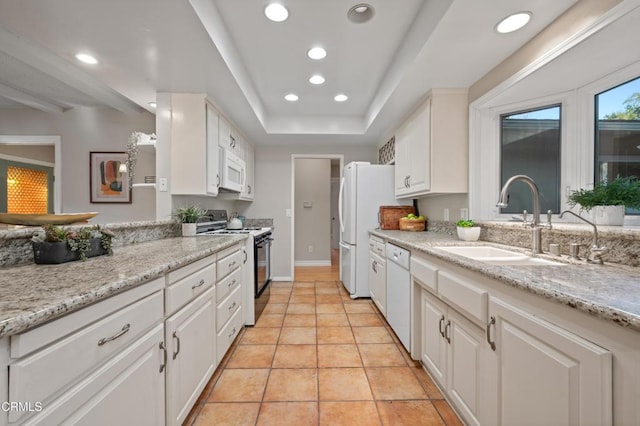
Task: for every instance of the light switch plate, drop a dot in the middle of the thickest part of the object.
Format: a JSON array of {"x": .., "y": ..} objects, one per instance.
[{"x": 163, "y": 185}]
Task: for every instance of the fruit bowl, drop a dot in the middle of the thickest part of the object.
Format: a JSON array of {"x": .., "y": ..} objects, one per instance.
[{"x": 407, "y": 224}]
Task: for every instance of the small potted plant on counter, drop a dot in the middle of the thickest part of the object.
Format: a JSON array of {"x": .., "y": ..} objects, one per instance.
[
  {"x": 609, "y": 199},
  {"x": 189, "y": 215},
  {"x": 55, "y": 245},
  {"x": 467, "y": 230}
]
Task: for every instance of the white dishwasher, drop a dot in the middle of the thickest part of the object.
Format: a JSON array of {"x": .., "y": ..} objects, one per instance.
[{"x": 399, "y": 293}]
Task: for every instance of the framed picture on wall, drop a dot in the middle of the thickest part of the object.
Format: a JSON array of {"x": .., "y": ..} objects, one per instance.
[{"x": 107, "y": 179}]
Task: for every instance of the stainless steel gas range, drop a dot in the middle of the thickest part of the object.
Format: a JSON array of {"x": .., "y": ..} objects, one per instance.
[{"x": 215, "y": 223}]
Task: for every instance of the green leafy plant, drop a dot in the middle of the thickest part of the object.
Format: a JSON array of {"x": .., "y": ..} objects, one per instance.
[
  {"x": 621, "y": 191},
  {"x": 465, "y": 223},
  {"x": 189, "y": 214},
  {"x": 78, "y": 240}
]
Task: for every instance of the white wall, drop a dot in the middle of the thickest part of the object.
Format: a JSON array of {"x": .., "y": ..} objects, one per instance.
[
  {"x": 82, "y": 130},
  {"x": 313, "y": 222},
  {"x": 273, "y": 192},
  {"x": 44, "y": 153}
]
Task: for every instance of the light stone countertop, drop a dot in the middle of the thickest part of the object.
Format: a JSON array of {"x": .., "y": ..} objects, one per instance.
[
  {"x": 610, "y": 291},
  {"x": 33, "y": 294}
]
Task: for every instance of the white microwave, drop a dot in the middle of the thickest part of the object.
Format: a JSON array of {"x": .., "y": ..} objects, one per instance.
[{"x": 232, "y": 171}]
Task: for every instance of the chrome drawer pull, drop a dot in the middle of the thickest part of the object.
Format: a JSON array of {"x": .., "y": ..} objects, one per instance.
[
  {"x": 232, "y": 306},
  {"x": 163, "y": 348},
  {"x": 115, "y": 336},
  {"x": 200, "y": 284},
  {"x": 489, "y": 341},
  {"x": 446, "y": 331},
  {"x": 246, "y": 256},
  {"x": 175, "y": 336},
  {"x": 232, "y": 264},
  {"x": 232, "y": 283},
  {"x": 233, "y": 332},
  {"x": 440, "y": 325}
]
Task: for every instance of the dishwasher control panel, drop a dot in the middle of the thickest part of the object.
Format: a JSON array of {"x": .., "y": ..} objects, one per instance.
[{"x": 398, "y": 255}]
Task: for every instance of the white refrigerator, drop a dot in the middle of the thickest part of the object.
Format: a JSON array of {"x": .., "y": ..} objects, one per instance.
[{"x": 364, "y": 188}]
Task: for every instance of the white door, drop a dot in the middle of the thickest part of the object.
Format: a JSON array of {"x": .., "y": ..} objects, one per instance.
[{"x": 348, "y": 267}]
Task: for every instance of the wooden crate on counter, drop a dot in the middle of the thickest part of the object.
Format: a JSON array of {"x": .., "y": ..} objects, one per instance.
[{"x": 389, "y": 216}]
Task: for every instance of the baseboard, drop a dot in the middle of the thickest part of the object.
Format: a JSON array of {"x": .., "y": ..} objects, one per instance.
[
  {"x": 312, "y": 263},
  {"x": 281, "y": 279}
]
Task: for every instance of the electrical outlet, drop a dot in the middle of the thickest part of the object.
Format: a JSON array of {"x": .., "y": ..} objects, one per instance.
[
  {"x": 464, "y": 214},
  {"x": 446, "y": 215},
  {"x": 310, "y": 249}
]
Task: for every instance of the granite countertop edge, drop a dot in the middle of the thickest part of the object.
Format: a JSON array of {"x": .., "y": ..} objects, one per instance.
[
  {"x": 545, "y": 281},
  {"x": 18, "y": 314}
]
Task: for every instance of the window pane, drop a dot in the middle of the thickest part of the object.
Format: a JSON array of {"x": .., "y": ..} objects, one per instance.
[
  {"x": 618, "y": 133},
  {"x": 530, "y": 144}
]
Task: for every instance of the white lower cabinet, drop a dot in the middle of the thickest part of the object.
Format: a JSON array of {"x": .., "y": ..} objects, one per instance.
[
  {"x": 190, "y": 338},
  {"x": 378, "y": 281},
  {"x": 547, "y": 374},
  {"x": 127, "y": 390},
  {"x": 454, "y": 353}
]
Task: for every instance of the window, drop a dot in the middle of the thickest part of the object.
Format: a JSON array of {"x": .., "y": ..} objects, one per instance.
[
  {"x": 530, "y": 145},
  {"x": 617, "y": 133}
]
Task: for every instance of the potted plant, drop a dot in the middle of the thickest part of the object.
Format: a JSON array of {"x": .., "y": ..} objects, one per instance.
[
  {"x": 467, "y": 230},
  {"x": 609, "y": 199},
  {"x": 189, "y": 215},
  {"x": 53, "y": 244}
]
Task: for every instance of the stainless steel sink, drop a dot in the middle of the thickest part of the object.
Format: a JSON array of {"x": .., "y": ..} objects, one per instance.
[{"x": 498, "y": 256}]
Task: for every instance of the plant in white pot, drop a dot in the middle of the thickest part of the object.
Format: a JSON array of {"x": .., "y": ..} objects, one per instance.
[
  {"x": 608, "y": 200},
  {"x": 189, "y": 215},
  {"x": 467, "y": 230}
]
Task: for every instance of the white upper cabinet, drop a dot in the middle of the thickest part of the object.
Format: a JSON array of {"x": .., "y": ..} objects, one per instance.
[
  {"x": 194, "y": 145},
  {"x": 431, "y": 146},
  {"x": 229, "y": 138}
]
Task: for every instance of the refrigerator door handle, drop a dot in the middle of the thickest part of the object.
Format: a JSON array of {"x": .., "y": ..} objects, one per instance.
[
  {"x": 344, "y": 246},
  {"x": 340, "y": 197}
]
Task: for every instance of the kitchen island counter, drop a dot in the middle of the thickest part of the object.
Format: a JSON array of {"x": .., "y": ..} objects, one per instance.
[{"x": 34, "y": 294}]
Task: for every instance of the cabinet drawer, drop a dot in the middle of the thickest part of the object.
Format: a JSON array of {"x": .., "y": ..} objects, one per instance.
[
  {"x": 228, "y": 307},
  {"x": 228, "y": 284},
  {"x": 228, "y": 334},
  {"x": 186, "y": 289},
  {"x": 229, "y": 263},
  {"x": 470, "y": 299},
  {"x": 41, "y": 375},
  {"x": 425, "y": 272},
  {"x": 189, "y": 269}
]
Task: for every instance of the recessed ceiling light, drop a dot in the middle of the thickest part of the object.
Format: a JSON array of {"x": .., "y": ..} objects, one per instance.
[
  {"x": 316, "y": 79},
  {"x": 317, "y": 53},
  {"x": 86, "y": 58},
  {"x": 153, "y": 104},
  {"x": 276, "y": 12},
  {"x": 513, "y": 22},
  {"x": 291, "y": 97},
  {"x": 361, "y": 13},
  {"x": 341, "y": 97}
]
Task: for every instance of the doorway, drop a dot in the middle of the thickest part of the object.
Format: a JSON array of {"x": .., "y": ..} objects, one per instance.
[{"x": 314, "y": 212}]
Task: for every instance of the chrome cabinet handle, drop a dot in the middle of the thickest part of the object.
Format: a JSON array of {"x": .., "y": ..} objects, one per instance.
[
  {"x": 249, "y": 189},
  {"x": 232, "y": 283},
  {"x": 232, "y": 264},
  {"x": 446, "y": 332},
  {"x": 246, "y": 256},
  {"x": 175, "y": 336},
  {"x": 232, "y": 306},
  {"x": 491, "y": 343},
  {"x": 373, "y": 265},
  {"x": 200, "y": 284},
  {"x": 124, "y": 329},
  {"x": 409, "y": 181},
  {"x": 440, "y": 326},
  {"x": 232, "y": 333},
  {"x": 218, "y": 179},
  {"x": 163, "y": 348}
]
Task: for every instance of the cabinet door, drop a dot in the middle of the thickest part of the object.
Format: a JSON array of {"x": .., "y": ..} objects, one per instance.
[
  {"x": 548, "y": 375},
  {"x": 434, "y": 345},
  {"x": 224, "y": 133},
  {"x": 213, "y": 156},
  {"x": 190, "y": 338},
  {"x": 249, "y": 187},
  {"x": 377, "y": 283},
  {"x": 402, "y": 162},
  {"x": 420, "y": 149},
  {"x": 127, "y": 390},
  {"x": 466, "y": 355}
]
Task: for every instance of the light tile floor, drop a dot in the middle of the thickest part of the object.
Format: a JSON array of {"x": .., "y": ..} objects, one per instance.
[{"x": 316, "y": 357}]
